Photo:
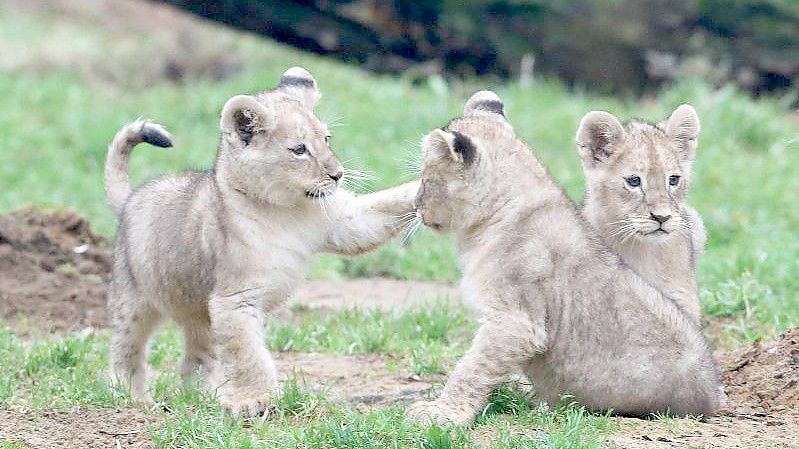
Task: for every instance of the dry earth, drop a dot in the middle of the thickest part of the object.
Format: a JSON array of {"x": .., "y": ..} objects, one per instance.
[{"x": 82, "y": 428}]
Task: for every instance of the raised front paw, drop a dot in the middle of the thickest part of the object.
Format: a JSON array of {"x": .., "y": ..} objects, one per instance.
[
  {"x": 433, "y": 412},
  {"x": 250, "y": 407}
]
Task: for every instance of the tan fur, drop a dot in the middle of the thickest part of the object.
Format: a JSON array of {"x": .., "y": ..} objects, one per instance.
[
  {"x": 214, "y": 250},
  {"x": 625, "y": 216},
  {"x": 551, "y": 298}
]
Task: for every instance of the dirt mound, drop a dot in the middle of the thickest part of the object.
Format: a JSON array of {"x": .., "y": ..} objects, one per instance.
[
  {"x": 54, "y": 271},
  {"x": 764, "y": 378}
]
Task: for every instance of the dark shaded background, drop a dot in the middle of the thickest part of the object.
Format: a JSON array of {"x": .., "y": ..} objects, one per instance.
[{"x": 608, "y": 45}]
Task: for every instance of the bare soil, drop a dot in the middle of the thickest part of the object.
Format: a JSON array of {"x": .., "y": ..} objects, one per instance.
[
  {"x": 764, "y": 378},
  {"x": 54, "y": 272},
  {"x": 53, "y": 276},
  {"x": 367, "y": 293},
  {"x": 81, "y": 428},
  {"x": 364, "y": 380}
]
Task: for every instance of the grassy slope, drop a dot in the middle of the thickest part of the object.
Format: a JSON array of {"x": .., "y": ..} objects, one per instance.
[{"x": 55, "y": 127}]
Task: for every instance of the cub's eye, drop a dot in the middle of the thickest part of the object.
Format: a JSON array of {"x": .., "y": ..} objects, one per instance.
[
  {"x": 633, "y": 181},
  {"x": 674, "y": 180},
  {"x": 299, "y": 149}
]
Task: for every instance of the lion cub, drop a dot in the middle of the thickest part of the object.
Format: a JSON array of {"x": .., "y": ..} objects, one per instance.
[
  {"x": 637, "y": 176},
  {"x": 215, "y": 249},
  {"x": 552, "y": 299}
]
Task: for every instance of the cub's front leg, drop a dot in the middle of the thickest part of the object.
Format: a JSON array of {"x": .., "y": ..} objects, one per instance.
[
  {"x": 249, "y": 377},
  {"x": 501, "y": 345},
  {"x": 362, "y": 223}
]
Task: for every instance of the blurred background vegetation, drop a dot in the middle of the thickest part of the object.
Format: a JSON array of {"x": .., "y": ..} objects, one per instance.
[{"x": 609, "y": 45}]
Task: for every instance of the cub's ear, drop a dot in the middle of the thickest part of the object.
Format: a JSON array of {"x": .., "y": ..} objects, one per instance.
[
  {"x": 683, "y": 125},
  {"x": 298, "y": 83},
  {"x": 597, "y": 136},
  {"x": 243, "y": 116},
  {"x": 486, "y": 104},
  {"x": 453, "y": 146}
]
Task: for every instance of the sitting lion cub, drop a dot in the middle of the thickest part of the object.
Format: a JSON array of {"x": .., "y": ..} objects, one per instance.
[
  {"x": 215, "y": 249},
  {"x": 637, "y": 176},
  {"x": 552, "y": 299}
]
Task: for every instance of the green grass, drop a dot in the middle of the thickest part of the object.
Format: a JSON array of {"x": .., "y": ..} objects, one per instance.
[
  {"x": 63, "y": 373},
  {"x": 56, "y": 125},
  {"x": 428, "y": 337}
]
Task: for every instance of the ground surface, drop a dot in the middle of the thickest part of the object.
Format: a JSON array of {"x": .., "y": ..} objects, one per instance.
[{"x": 54, "y": 275}]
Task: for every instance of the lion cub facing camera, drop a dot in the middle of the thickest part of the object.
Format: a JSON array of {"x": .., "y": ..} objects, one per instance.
[
  {"x": 214, "y": 250},
  {"x": 637, "y": 176},
  {"x": 552, "y": 299}
]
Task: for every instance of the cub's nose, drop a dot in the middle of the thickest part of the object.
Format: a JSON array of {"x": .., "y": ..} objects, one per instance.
[
  {"x": 660, "y": 218},
  {"x": 336, "y": 175}
]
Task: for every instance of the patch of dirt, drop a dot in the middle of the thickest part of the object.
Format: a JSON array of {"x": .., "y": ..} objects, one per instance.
[
  {"x": 76, "y": 429},
  {"x": 378, "y": 293},
  {"x": 54, "y": 272},
  {"x": 364, "y": 380},
  {"x": 725, "y": 432},
  {"x": 764, "y": 378}
]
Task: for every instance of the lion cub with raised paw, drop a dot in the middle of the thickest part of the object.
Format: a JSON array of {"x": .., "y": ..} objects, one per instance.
[
  {"x": 552, "y": 299},
  {"x": 637, "y": 176},
  {"x": 215, "y": 249}
]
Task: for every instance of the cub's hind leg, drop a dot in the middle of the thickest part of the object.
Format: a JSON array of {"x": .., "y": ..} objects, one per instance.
[{"x": 133, "y": 321}]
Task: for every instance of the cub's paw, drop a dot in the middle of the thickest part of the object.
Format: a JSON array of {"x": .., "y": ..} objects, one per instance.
[
  {"x": 432, "y": 412},
  {"x": 248, "y": 407},
  {"x": 144, "y": 400}
]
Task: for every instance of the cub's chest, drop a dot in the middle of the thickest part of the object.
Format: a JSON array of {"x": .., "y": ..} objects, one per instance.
[{"x": 281, "y": 238}]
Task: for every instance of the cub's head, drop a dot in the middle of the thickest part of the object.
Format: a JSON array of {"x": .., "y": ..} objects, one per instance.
[
  {"x": 273, "y": 147},
  {"x": 459, "y": 185},
  {"x": 638, "y": 174}
]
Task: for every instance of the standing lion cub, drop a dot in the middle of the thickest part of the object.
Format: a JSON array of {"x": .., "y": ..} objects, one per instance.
[
  {"x": 552, "y": 299},
  {"x": 637, "y": 176},
  {"x": 215, "y": 249}
]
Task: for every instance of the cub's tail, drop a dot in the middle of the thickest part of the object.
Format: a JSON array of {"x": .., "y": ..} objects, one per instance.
[{"x": 117, "y": 185}]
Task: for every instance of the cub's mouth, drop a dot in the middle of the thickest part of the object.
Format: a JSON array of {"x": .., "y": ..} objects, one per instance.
[
  {"x": 434, "y": 225},
  {"x": 319, "y": 193},
  {"x": 310, "y": 194}
]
